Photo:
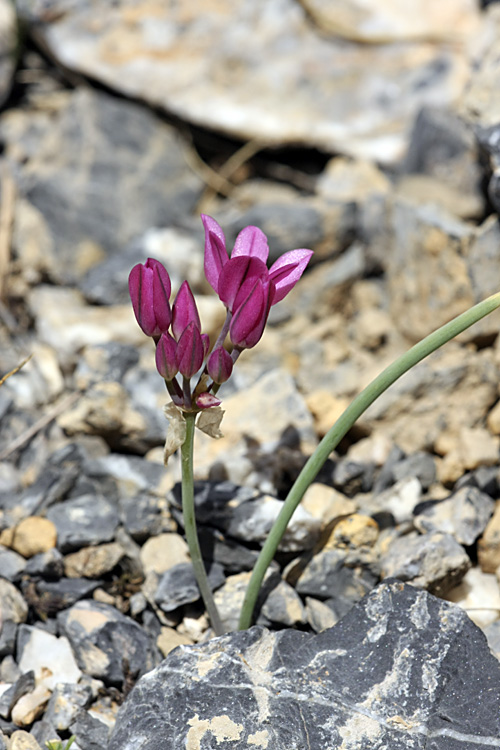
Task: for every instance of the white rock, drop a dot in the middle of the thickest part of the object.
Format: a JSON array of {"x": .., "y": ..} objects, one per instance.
[
  {"x": 51, "y": 658},
  {"x": 479, "y": 595}
]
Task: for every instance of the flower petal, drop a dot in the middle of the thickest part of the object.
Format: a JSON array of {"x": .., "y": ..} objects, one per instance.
[
  {"x": 250, "y": 318},
  {"x": 287, "y": 270},
  {"x": 189, "y": 355},
  {"x": 220, "y": 365},
  {"x": 184, "y": 311},
  {"x": 253, "y": 242},
  {"x": 235, "y": 273},
  {"x": 215, "y": 251},
  {"x": 166, "y": 349}
]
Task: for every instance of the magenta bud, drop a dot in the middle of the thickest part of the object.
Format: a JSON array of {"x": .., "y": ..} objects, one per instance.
[
  {"x": 287, "y": 270},
  {"x": 149, "y": 288},
  {"x": 215, "y": 251},
  {"x": 166, "y": 364},
  {"x": 205, "y": 340},
  {"x": 184, "y": 311},
  {"x": 252, "y": 309},
  {"x": 190, "y": 353},
  {"x": 235, "y": 273},
  {"x": 206, "y": 400},
  {"x": 220, "y": 365}
]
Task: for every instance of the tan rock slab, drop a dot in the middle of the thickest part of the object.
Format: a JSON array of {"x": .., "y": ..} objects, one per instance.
[
  {"x": 488, "y": 550},
  {"x": 31, "y": 706},
  {"x": 22, "y": 740},
  {"x": 93, "y": 562},
  {"x": 169, "y": 639},
  {"x": 162, "y": 552},
  {"x": 479, "y": 595},
  {"x": 34, "y": 535},
  {"x": 12, "y": 604},
  {"x": 326, "y": 409},
  {"x": 326, "y": 503},
  {"x": 353, "y": 532}
]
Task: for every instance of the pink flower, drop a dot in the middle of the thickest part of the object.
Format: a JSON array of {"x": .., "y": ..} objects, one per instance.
[
  {"x": 224, "y": 275},
  {"x": 184, "y": 311},
  {"x": 220, "y": 365},
  {"x": 190, "y": 351},
  {"x": 251, "y": 311},
  {"x": 166, "y": 350},
  {"x": 149, "y": 288}
]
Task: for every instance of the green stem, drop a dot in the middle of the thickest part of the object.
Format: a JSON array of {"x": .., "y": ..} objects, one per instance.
[
  {"x": 372, "y": 391},
  {"x": 190, "y": 525}
]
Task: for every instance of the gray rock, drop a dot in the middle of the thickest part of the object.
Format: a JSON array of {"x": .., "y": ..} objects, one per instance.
[
  {"x": 48, "y": 565},
  {"x": 328, "y": 576},
  {"x": 145, "y": 515},
  {"x": 355, "y": 98},
  {"x": 55, "y": 596},
  {"x": 245, "y": 515},
  {"x": 486, "y": 478},
  {"x": 464, "y": 515},
  {"x": 11, "y": 564},
  {"x": 434, "y": 561},
  {"x": 233, "y": 557},
  {"x": 402, "y": 670},
  {"x": 107, "y": 644},
  {"x": 65, "y": 703},
  {"x": 12, "y": 604},
  {"x": 283, "y": 606},
  {"x": 50, "y": 486},
  {"x": 9, "y": 698},
  {"x": 420, "y": 465},
  {"x": 82, "y": 522},
  {"x": 90, "y": 733},
  {"x": 70, "y": 173},
  {"x": 492, "y": 633},
  {"x": 8, "y": 630},
  {"x": 352, "y": 477},
  {"x": 178, "y": 585},
  {"x": 105, "y": 362}
]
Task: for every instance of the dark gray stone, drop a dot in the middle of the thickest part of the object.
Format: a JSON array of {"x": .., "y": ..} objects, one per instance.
[
  {"x": 11, "y": 564},
  {"x": 352, "y": 477},
  {"x": 51, "y": 486},
  {"x": 403, "y": 670},
  {"x": 59, "y": 595},
  {"x": 420, "y": 465},
  {"x": 107, "y": 644},
  {"x": 82, "y": 522},
  {"x": 48, "y": 565},
  {"x": 8, "y": 699},
  {"x": 3, "y": 746},
  {"x": 8, "y": 630},
  {"x": 90, "y": 733},
  {"x": 217, "y": 547},
  {"x": 144, "y": 515},
  {"x": 328, "y": 577},
  {"x": 178, "y": 585},
  {"x": 485, "y": 478},
  {"x": 76, "y": 168}
]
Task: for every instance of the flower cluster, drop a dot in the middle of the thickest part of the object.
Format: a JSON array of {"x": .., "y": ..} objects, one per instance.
[{"x": 243, "y": 283}]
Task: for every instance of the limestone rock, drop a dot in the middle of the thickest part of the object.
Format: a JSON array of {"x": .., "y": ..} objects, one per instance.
[
  {"x": 479, "y": 595},
  {"x": 464, "y": 515},
  {"x": 419, "y": 664},
  {"x": 33, "y": 536},
  {"x": 162, "y": 552},
  {"x": 488, "y": 550},
  {"x": 220, "y": 78},
  {"x": 93, "y": 562},
  {"x": 51, "y": 658}
]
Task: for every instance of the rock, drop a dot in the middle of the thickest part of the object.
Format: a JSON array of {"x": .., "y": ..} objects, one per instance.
[
  {"x": 33, "y": 536},
  {"x": 464, "y": 515},
  {"x": 374, "y": 22},
  {"x": 146, "y": 517},
  {"x": 84, "y": 136},
  {"x": 400, "y": 500},
  {"x": 479, "y": 595},
  {"x": 82, "y": 522},
  {"x": 93, "y": 562},
  {"x": 21, "y": 740},
  {"x": 351, "y": 180},
  {"x": 90, "y": 733},
  {"x": 283, "y": 40},
  {"x": 30, "y": 706},
  {"x": 12, "y": 605},
  {"x": 492, "y": 633},
  {"x": 319, "y": 615},
  {"x": 352, "y": 477},
  {"x": 421, "y": 465},
  {"x": 326, "y": 409},
  {"x": 217, "y": 547},
  {"x": 326, "y": 503},
  {"x": 23, "y": 685},
  {"x": 368, "y": 653},
  {"x": 65, "y": 703},
  {"x": 488, "y": 549},
  {"x": 107, "y": 644},
  {"x": 170, "y": 639},
  {"x": 11, "y": 564},
  {"x": 283, "y": 606},
  {"x": 8, "y": 631},
  {"x": 50, "y": 597},
  {"x": 434, "y": 561},
  {"x": 48, "y": 565},
  {"x": 162, "y": 552},
  {"x": 9, "y": 34},
  {"x": 49, "y": 657},
  {"x": 178, "y": 585},
  {"x": 354, "y": 532},
  {"x": 481, "y": 103},
  {"x": 107, "y": 362},
  {"x": 243, "y": 514}
]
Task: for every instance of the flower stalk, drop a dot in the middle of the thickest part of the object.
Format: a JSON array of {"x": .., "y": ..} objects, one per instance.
[
  {"x": 188, "y": 513},
  {"x": 341, "y": 427}
]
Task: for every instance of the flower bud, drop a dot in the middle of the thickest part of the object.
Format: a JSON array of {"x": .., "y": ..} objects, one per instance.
[
  {"x": 237, "y": 271},
  {"x": 166, "y": 364},
  {"x": 252, "y": 306},
  {"x": 190, "y": 353},
  {"x": 149, "y": 288},
  {"x": 184, "y": 311},
  {"x": 220, "y": 365}
]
